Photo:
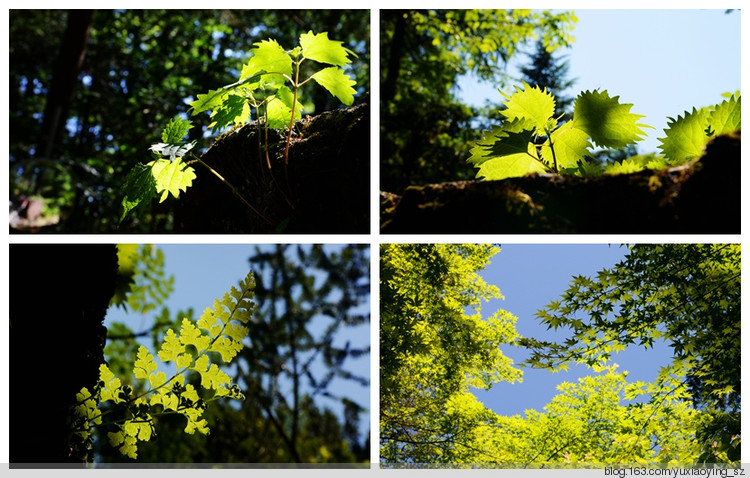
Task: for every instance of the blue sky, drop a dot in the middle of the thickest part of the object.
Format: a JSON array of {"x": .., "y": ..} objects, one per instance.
[
  {"x": 530, "y": 276},
  {"x": 205, "y": 272},
  {"x": 664, "y": 62}
]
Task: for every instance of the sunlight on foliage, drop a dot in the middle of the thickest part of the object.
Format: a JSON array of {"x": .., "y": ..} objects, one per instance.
[
  {"x": 268, "y": 87},
  {"x": 220, "y": 329},
  {"x": 530, "y": 140}
]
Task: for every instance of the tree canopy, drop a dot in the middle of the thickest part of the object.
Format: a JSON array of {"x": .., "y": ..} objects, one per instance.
[
  {"x": 436, "y": 346},
  {"x": 685, "y": 294}
]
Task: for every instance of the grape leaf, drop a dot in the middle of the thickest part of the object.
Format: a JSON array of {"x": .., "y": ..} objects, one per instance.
[
  {"x": 609, "y": 123},
  {"x": 171, "y": 177},
  {"x": 269, "y": 57},
  {"x": 685, "y": 136},
  {"x": 139, "y": 189},
  {"x": 320, "y": 48},
  {"x": 634, "y": 164},
  {"x": 532, "y": 105},
  {"x": 512, "y": 165},
  {"x": 510, "y": 143},
  {"x": 234, "y": 109},
  {"x": 175, "y": 130},
  {"x": 208, "y": 101},
  {"x": 337, "y": 83},
  {"x": 279, "y": 109}
]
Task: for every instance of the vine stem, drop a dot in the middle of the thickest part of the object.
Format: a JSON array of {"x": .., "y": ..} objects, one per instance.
[
  {"x": 296, "y": 86},
  {"x": 552, "y": 148},
  {"x": 234, "y": 190}
]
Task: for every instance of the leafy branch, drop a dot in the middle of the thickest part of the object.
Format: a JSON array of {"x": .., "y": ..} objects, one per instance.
[
  {"x": 220, "y": 330},
  {"x": 531, "y": 140},
  {"x": 268, "y": 86}
]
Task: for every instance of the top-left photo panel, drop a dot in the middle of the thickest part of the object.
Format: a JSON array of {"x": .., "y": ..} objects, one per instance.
[{"x": 189, "y": 121}]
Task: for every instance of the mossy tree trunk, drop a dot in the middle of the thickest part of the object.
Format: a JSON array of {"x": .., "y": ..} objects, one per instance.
[
  {"x": 695, "y": 198},
  {"x": 324, "y": 188}
]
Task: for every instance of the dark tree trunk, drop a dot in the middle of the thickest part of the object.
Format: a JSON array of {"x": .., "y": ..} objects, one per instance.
[
  {"x": 324, "y": 189},
  {"x": 64, "y": 77},
  {"x": 395, "y": 53},
  {"x": 59, "y": 296}
]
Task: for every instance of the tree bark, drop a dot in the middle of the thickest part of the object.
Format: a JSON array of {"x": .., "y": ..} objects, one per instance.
[
  {"x": 327, "y": 190},
  {"x": 59, "y": 295}
]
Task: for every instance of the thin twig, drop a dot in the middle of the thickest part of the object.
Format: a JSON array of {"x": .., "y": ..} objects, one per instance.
[{"x": 234, "y": 190}]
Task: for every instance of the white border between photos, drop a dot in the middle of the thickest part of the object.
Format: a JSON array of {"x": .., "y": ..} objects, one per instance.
[{"x": 374, "y": 238}]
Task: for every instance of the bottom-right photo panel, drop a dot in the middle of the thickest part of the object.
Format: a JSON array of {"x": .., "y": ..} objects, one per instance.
[{"x": 559, "y": 355}]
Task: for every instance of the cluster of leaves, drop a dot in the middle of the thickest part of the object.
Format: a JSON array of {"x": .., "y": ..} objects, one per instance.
[
  {"x": 532, "y": 140},
  {"x": 219, "y": 332},
  {"x": 270, "y": 80},
  {"x": 268, "y": 87}
]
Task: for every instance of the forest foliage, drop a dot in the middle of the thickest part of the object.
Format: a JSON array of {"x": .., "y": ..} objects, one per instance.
[
  {"x": 531, "y": 139},
  {"x": 145, "y": 65},
  {"x": 425, "y": 128},
  {"x": 291, "y": 365},
  {"x": 267, "y": 91},
  {"x": 436, "y": 346}
]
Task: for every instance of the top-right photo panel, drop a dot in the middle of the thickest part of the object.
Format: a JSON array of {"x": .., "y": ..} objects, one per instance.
[{"x": 557, "y": 121}]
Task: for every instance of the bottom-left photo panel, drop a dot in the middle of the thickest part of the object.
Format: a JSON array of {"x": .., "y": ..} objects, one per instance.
[{"x": 220, "y": 355}]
